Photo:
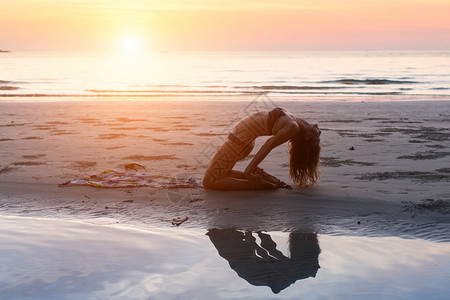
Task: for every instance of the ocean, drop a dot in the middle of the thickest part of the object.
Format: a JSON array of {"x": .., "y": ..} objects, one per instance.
[{"x": 290, "y": 75}]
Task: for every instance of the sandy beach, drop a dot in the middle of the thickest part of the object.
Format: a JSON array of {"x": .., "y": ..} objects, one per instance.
[{"x": 384, "y": 174}]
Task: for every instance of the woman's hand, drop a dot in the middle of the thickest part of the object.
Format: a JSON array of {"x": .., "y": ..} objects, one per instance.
[
  {"x": 272, "y": 179},
  {"x": 252, "y": 175}
]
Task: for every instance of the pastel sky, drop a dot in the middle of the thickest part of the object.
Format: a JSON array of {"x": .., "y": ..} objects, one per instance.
[{"x": 177, "y": 25}]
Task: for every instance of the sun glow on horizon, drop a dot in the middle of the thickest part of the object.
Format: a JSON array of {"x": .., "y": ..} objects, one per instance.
[
  {"x": 130, "y": 44},
  {"x": 202, "y": 25}
]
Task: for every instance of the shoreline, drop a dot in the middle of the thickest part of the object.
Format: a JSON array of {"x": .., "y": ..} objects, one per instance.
[
  {"x": 224, "y": 98},
  {"x": 281, "y": 211}
]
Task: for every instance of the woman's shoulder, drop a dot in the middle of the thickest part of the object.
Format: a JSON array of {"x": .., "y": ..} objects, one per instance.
[{"x": 278, "y": 110}]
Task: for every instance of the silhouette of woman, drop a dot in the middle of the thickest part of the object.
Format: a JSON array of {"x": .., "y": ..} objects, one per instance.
[{"x": 265, "y": 265}]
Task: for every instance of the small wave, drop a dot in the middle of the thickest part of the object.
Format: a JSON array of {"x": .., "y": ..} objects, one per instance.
[
  {"x": 288, "y": 87},
  {"x": 144, "y": 94},
  {"x": 440, "y": 88},
  {"x": 369, "y": 81},
  {"x": 163, "y": 92},
  {"x": 147, "y": 94},
  {"x": 342, "y": 93}
]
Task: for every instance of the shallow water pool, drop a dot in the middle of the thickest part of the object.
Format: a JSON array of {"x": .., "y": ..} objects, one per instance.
[{"x": 65, "y": 259}]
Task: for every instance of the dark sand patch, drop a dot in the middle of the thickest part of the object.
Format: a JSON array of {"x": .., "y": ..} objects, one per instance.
[
  {"x": 401, "y": 122},
  {"x": 181, "y": 129},
  {"x": 184, "y": 166},
  {"x": 114, "y": 148},
  {"x": 424, "y": 133},
  {"x": 428, "y": 205},
  {"x": 186, "y": 125},
  {"x": 176, "y": 117},
  {"x": 107, "y": 124},
  {"x": 125, "y": 128},
  {"x": 354, "y": 133},
  {"x": 127, "y": 120},
  {"x": 159, "y": 140},
  {"x": 6, "y": 140},
  {"x": 335, "y": 162},
  {"x": 156, "y": 129},
  {"x": 8, "y": 88},
  {"x": 33, "y": 156},
  {"x": 89, "y": 120},
  {"x": 32, "y": 138},
  {"x": 7, "y": 169},
  {"x": 62, "y": 132},
  {"x": 82, "y": 165},
  {"x": 44, "y": 127},
  {"x": 415, "y": 141},
  {"x": 425, "y": 155},
  {"x": 342, "y": 121},
  {"x": 375, "y": 140},
  {"x": 377, "y": 119},
  {"x": 209, "y": 134},
  {"x": 29, "y": 163},
  {"x": 410, "y": 175},
  {"x": 436, "y": 146},
  {"x": 179, "y": 144},
  {"x": 57, "y": 123},
  {"x": 150, "y": 157},
  {"x": 12, "y": 124},
  {"x": 111, "y": 136}
]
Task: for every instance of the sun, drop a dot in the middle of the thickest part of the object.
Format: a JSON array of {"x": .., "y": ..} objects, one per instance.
[{"x": 130, "y": 44}]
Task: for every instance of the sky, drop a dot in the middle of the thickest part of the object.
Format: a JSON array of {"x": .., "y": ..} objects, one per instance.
[{"x": 224, "y": 25}]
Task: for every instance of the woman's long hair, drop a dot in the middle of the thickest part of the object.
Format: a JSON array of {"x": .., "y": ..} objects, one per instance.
[{"x": 304, "y": 155}]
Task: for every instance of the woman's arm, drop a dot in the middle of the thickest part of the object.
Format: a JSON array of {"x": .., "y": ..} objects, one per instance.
[{"x": 282, "y": 136}]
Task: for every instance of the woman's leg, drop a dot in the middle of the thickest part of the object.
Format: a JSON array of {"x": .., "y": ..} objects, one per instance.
[
  {"x": 220, "y": 174},
  {"x": 233, "y": 183},
  {"x": 237, "y": 174}
]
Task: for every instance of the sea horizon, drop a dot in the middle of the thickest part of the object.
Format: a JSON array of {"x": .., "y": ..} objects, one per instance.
[{"x": 283, "y": 75}]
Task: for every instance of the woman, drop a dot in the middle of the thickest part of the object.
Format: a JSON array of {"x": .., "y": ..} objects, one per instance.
[{"x": 304, "y": 151}]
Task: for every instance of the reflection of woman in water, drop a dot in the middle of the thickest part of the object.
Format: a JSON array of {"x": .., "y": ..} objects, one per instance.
[
  {"x": 304, "y": 152},
  {"x": 264, "y": 265}
]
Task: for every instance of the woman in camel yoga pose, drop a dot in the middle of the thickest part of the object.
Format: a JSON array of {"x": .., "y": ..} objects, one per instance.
[{"x": 304, "y": 152}]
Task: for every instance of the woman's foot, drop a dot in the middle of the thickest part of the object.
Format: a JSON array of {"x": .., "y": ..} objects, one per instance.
[
  {"x": 272, "y": 179},
  {"x": 261, "y": 184}
]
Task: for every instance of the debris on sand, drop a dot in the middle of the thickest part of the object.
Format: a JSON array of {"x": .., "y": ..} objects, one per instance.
[
  {"x": 177, "y": 221},
  {"x": 196, "y": 199},
  {"x": 134, "y": 166}
]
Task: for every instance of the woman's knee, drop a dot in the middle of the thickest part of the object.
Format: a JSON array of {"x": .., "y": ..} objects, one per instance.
[{"x": 207, "y": 181}]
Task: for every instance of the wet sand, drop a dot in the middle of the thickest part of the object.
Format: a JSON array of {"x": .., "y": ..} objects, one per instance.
[
  {"x": 377, "y": 158},
  {"x": 385, "y": 166}
]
